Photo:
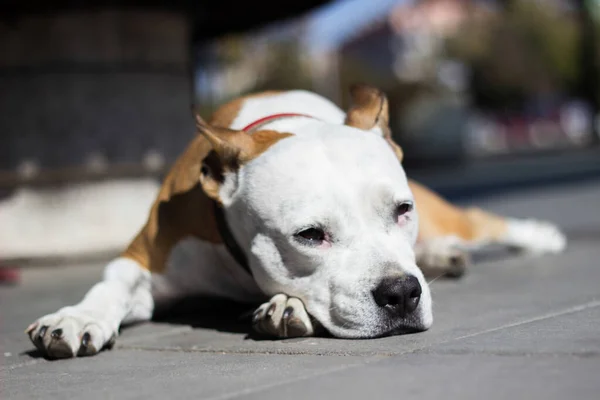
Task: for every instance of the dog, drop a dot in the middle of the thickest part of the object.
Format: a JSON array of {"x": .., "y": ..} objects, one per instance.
[{"x": 284, "y": 199}]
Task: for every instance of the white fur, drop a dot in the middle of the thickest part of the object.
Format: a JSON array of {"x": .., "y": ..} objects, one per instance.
[
  {"x": 326, "y": 173},
  {"x": 536, "y": 237},
  {"x": 295, "y": 101},
  {"x": 201, "y": 268},
  {"x": 123, "y": 296},
  {"x": 349, "y": 180}
]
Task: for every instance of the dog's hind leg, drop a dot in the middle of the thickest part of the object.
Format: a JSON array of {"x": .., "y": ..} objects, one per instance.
[
  {"x": 529, "y": 235},
  {"x": 447, "y": 233}
]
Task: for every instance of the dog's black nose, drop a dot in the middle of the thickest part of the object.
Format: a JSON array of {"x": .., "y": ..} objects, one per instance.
[{"x": 398, "y": 294}]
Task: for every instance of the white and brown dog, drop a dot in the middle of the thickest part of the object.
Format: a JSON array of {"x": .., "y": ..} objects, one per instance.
[{"x": 284, "y": 196}]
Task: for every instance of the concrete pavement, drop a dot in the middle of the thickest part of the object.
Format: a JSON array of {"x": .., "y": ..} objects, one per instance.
[{"x": 513, "y": 327}]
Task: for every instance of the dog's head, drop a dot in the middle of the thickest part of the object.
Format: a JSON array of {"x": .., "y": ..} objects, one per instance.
[{"x": 326, "y": 215}]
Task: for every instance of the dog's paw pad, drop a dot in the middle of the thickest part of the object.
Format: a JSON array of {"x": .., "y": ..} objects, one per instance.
[
  {"x": 282, "y": 317},
  {"x": 66, "y": 335}
]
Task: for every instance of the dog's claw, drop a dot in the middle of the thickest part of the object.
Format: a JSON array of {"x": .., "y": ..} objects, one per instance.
[
  {"x": 288, "y": 312},
  {"x": 85, "y": 339},
  {"x": 296, "y": 328},
  {"x": 42, "y": 332},
  {"x": 283, "y": 317},
  {"x": 86, "y": 348},
  {"x": 57, "y": 333}
]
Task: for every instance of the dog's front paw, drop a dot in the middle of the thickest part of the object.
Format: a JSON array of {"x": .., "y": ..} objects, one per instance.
[
  {"x": 442, "y": 256},
  {"x": 535, "y": 236},
  {"x": 283, "y": 317},
  {"x": 69, "y": 333}
]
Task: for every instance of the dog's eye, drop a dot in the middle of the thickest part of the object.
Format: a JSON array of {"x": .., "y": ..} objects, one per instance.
[
  {"x": 403, "y": 208},
  {"x": 313, "y": 236}
]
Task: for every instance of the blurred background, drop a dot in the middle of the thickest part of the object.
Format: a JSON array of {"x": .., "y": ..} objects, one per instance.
[{"x": 95, "y": 96}]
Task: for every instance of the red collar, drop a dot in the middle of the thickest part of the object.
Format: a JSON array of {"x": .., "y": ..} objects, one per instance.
[{"x": 260, "y": 122}]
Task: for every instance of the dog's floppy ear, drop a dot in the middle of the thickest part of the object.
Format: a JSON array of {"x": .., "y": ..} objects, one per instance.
[
  {"x": 230, "y": 149},
  {"x": 369, "y": 110}
]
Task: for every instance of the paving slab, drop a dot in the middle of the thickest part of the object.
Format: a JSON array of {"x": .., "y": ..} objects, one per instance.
[
  {"x": 514, "y": 326},
  {"x": 178, "y": 375},
  {"x": 464, "y": 377},
  {"x": 574, "y": 332}
]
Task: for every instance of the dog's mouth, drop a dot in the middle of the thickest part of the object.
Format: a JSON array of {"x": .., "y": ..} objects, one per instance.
[
  {"x": 356, "y": 321},
  {"x": 411, "y": 324},
  {"x": 397, "y": 331},
  {"x": 402, "y": 330},
  {"x": 344, "y": 329}
]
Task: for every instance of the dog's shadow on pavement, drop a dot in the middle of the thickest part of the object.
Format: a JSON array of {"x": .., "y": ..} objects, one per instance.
[
  {"x": 34, "y": 353},
  {"x": 210, "y": 313},
  {"x": 228, "y": 316}
]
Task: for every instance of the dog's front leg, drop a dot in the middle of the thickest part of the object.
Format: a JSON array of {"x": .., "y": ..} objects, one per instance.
[
  {"x": 123, "y": 296},
  {"x": 283, "y": 317}
]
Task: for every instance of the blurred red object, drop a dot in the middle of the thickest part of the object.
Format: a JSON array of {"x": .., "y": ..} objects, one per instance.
[{"x": 9, "y": 275}]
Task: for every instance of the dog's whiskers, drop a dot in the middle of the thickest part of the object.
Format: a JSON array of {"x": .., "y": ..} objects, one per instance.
[
  {"x": 333, "y": 308},
  {"x": 436, "y": 278}
]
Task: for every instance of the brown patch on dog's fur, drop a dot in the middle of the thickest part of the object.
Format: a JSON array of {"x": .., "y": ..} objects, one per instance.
[{"x": 180, "y": 210}]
